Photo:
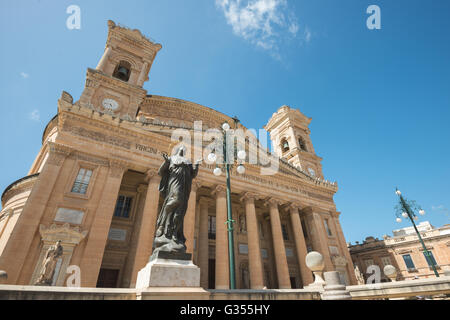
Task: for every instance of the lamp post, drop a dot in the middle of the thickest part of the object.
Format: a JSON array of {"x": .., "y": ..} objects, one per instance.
[
  {"x": 228, "y": 163},
  {"x": 409, "y": 213}
]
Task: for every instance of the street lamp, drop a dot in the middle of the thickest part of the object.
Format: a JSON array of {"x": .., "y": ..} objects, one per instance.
[
  {"x": 407, "y": 212},
  {"x": 227, "y": 164}
]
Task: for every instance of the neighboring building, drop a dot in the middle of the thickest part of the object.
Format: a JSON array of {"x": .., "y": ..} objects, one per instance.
[
  {"x": 94, "y": 186},
  {"x": 405, "y": 252}
]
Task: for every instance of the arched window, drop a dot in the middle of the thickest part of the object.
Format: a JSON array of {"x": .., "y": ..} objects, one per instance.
[
  {"x": 284, "y": 145},
  {"x": 302, "y": 144},
  {"x": 122, "y": 71}
]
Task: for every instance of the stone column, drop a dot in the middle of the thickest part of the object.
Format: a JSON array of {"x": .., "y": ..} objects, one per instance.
[
  {"x": 143, "y": 74},
  {"x": 254, "y": 249},
  {"x": 102, "y": 63},
  {"x": 278, "y": 246},
  {"x": 99, "y": 229},
  {"x": 189, "y": 219},
  {"x": 203, "y": 243},
  {"x": 300, "y": 244},
  {"x": 147, "y": 224},
  {"x": 16, "y": 250},
  {"x": 343, "y": 245},
  {"x": 319, "y": 236},
  {"x": 222, "y": 264}
]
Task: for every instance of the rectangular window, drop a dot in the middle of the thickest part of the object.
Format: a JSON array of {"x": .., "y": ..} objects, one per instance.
[
  {"x": 211, "y": 227},
  {"x": 431, "y": 257},
  {"x": 123, "y": 207},
  {"x": 327, "y": 227},
  {"x": 368, "y": 262},
  {"x": 82, "y": 181},
  {"x": 408, "y": 261},
  {"x": 285, "y": 233},
  {"x": 386, "y": 261}
]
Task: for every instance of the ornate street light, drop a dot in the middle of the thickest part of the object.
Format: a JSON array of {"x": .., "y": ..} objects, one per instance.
[
  {"x": 227, "y": 164},
  {"x": 406, "y": 208}
]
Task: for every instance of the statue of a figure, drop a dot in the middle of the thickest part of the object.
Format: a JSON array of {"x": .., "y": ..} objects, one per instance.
[
  {"x": 177, "y": 174},
  {"x": 49, "y": 264},
  {"x": 242, "y": 224},
  {"x": 359, "y": 276}
]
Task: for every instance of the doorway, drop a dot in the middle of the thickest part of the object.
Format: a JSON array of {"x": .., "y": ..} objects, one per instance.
[
  {"x": 211, "y": 273},
  {"x": 107, "y": 278}
]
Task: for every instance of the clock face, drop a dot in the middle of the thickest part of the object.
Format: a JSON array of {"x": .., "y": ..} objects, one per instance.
[
  {"x": 311, "y": 172},
  {"x": 110, "y": 104}
]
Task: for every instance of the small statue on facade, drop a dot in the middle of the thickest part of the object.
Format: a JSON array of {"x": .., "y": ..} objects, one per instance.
[
  {"x": 359, "y": 276},
  {"x": 242, "y": 224},
  {"x": 49, "y": 264},
  {"x": 177, "y": 174}
]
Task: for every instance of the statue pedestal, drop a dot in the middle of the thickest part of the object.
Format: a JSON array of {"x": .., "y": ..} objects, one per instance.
[{"x": 169, "y": 270}]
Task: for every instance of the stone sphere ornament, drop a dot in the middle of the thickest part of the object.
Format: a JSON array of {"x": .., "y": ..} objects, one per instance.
[
  {"x": 240, "y": 169},
  {"x": 217, "y": 172},
  {"x": 212, "y": 157},
  {"x": 315, "y": 262},
  {"x": 226, "y": 126},
  {"x": 390, "y": 272},
  {"x": 242, "y": 154}
]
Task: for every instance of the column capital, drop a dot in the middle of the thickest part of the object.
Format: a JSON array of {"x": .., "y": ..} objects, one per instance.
[
  {"x": 271, "y": 202},
  {"x": 294, "y": 207},
  {"x": 57, "y": 153},
  {"x": 59, "y": 148},
  {"x": 219, "y": 191},
  {"x": 150, "y": 174},
  {"x": 117, "y": 168},
  {"x": 335, "y": 214},
  {"x": 248, "y": 196},
  {"x": 196, "y": 185},
  {"x": 308, "y": 210}
]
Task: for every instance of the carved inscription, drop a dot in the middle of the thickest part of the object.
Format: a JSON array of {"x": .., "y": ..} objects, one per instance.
[{"x": 97, "y": 136}]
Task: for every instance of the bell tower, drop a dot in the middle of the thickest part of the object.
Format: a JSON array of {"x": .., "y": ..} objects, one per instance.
[
  {"x": 290, "y": 135},
  {"x": 115, "y": 85}
]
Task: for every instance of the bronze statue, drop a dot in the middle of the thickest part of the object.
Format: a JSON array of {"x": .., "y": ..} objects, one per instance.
[
  {"x": 49, "y": 264},
  {"x": 177, "y": 174}
]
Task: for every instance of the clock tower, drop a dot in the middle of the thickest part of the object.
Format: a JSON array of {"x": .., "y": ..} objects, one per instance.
[
  {"x": 115, "y": 85},
  {"x": 291, "y": 140}
]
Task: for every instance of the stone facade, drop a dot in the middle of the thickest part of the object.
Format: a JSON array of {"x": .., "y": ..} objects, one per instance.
[
  {"x": 404, "y": 251},
  {"x": 94, "y": 184}
]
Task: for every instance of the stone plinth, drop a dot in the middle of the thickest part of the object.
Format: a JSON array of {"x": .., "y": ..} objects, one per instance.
[
  {"x": 334, "y": 290},
  {"x": 169, "y": 270}
]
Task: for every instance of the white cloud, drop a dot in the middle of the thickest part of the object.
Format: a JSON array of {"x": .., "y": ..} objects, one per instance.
[
  {"x": 35, "y": 115},
  {"x": 262, "y": 22},
  {"x": 441, "y": 209},
  {"x": 293, "y": 28},
  {"x": 24, "y": 75},
  {"x": 307, "y": 34}
]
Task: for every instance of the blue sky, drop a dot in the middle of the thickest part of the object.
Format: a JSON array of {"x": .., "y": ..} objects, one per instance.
[{"x": 379, "y": 99}]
